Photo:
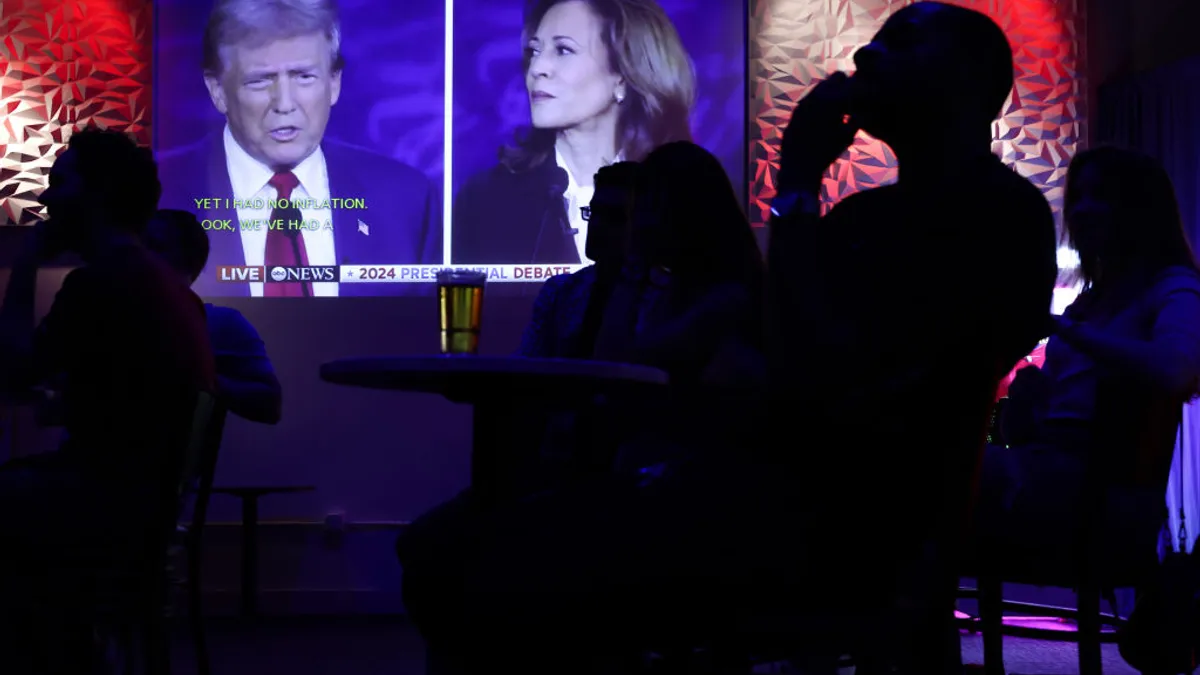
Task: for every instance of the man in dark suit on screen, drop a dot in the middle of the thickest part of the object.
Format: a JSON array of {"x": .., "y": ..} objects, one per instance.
[{"x": 273, "y": 68}]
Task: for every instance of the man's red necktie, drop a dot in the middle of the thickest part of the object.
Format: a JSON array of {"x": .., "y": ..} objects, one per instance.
[{"x": 285, "y": 247}]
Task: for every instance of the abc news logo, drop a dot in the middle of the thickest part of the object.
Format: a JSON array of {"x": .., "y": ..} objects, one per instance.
[{"x": 281, "y": 275}]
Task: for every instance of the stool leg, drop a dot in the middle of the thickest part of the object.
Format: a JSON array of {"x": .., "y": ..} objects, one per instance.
[
  {"x": 991, "y": 619},
  {"x": 249, "y": 555},
  {"x": 1110, "y": 596},
  {"x": 1089, "y": 630},
  {"x": 195, "y": 592}
]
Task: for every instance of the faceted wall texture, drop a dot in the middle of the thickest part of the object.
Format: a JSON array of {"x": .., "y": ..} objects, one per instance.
[
  {"x": 796, "y": 43},
  {"x": 65, "y": 65}
]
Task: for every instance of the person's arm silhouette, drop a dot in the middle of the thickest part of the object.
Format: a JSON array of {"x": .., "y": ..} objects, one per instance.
[
  {"x": 816, "y": 135},
  {"x": 819, "y": 131},
  {"x": 540, "y": 337},
  {"x": 28, "y": 351},
  {"x": 694, "y": 336},
  {"x": 1169, "y": 359},
  {"x": 246, "y": 379}
]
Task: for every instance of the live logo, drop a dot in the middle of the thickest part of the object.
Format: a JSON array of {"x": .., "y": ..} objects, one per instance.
[{"x": 241, "y": 273}]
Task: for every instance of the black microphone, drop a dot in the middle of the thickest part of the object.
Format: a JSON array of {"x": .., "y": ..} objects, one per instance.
[
  {"x": 558, "y": 185},
  {"x": 559, "y": 180},
  {"x": 289, "y": 214}
]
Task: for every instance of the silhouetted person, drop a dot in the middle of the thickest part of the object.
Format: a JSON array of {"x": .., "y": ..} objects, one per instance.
[
  {"x": 128, "y": 338},
  {"x": 895, "y": 315},
  {"x": 246, "y": 380},
  {"x": 564, "y": 324},
  {"x": 594, "y": 569},
  {"x": 568, "y": 309},
  {"x": 1133, "y": 333},
  {"x": 688, "y": 303}
]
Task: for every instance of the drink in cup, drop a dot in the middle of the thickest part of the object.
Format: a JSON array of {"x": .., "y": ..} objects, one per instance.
[{"x": 460, "y": 306}]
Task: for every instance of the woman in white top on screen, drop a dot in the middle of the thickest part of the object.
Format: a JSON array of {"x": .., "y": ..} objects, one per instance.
[
  {"x": 1120, "y": 363},
  {"x": 608, "y": 80}
]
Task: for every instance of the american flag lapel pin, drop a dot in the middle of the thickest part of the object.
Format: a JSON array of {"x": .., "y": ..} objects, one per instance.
[{"x": 362, "y": 227}]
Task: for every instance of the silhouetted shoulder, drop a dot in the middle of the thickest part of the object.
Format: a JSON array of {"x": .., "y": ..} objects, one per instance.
[
  {"x": 1014, "y": 191},
  {"x": 1019, "y": 209},
  {"x": 232, "y": 334},
  {"x": 868, "y": 201},
  {"x": 1176, "y": 279},
  {"x": 542, "y": 334},
  {"x": 551, "y": 292},
  {"x": 863, "y": 211},
  {"x": 221, "y": 319},
  {"x": 556, "y": 283}
]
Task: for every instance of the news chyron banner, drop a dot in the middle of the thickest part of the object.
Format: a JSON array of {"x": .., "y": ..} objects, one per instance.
[{"x": 383, "y": 274}]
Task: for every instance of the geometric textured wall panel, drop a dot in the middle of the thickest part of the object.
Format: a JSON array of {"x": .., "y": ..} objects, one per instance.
[
  {"x": 796, "y": 43},
  {"x": 66, "y": 65}
]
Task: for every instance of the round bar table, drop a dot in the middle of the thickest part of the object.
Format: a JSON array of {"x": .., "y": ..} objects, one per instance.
[{"x": 499, "y": 388}]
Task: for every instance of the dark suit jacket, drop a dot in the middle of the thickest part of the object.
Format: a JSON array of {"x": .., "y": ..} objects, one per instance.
[
  {"x": 556, "y": 328},
  {"x": 402, "y": 210},
  {"x": 502, "y": 217},
  {"x": 894, "y": 317}
]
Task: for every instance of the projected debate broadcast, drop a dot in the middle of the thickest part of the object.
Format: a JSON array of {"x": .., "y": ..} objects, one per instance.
[{"x": 320, "y": 145}]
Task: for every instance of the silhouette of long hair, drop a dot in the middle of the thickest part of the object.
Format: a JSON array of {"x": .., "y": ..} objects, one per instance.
[
  {"x": 607, "y": 249},
  {"x": 1142, "y": 232},
  {"x": 689, "y": 218}
]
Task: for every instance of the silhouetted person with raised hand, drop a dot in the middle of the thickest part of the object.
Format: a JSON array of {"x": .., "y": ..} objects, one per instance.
[
  {"x": 246, "y": 380},
  {"x": 894, "y": 316},
  {"x": 128, "y": 339}
]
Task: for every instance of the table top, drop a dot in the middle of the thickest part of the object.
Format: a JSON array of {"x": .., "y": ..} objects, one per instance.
[{"x": 470, "y": 378}]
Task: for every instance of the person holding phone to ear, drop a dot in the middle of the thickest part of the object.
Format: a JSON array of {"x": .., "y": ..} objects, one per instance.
[{"x": 868, "y": 331}]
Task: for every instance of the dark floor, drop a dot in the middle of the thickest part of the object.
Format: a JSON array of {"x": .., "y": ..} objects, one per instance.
[{"x": 389, "y": 646}]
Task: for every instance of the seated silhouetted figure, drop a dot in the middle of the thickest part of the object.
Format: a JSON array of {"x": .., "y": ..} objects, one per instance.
[
  {"x": 565, "y": 321},
  {"x": 128, "y": 338},
  {"x": 895, "y": 316},
  {"x": 597, "y": 569},
  {"x": 567, "y": 312},
  {"x": 1122, "y": 361},
  {"x": 246, "y": 380}
]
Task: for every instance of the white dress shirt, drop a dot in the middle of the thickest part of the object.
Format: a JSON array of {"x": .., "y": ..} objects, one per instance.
[
  {"x": 576, "y": 197},
  {"x": 250, "y": 179}
]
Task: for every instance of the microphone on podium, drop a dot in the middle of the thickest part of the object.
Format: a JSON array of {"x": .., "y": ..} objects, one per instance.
[{"x": 291, "y": 219}]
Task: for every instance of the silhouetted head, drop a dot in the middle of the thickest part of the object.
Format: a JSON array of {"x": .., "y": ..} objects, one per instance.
[
  {"x": 609, "y": 213},
  {"x": 1122, "y": 217},
  {"x": 687, "y": 218},
  {"x": 180, "y": 239},
  {"x": 613, "y": 68},
  {"x": 102, "y": 182},
  {"x": 932, "y": 66}
]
